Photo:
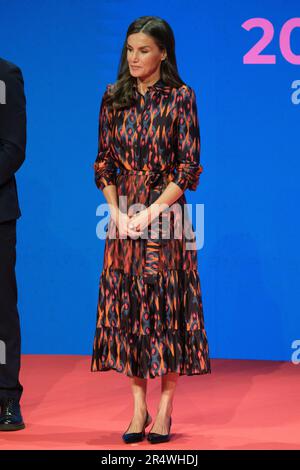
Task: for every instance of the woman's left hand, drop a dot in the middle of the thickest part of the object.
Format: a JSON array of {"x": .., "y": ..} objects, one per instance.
[{"x": 142, "y": 219}]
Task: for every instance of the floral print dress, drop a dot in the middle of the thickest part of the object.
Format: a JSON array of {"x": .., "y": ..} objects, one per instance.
[{"x": 150, "y": 315}]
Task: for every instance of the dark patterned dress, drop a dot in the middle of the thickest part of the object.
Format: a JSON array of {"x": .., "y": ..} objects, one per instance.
[{"x": 150, "y": 315}]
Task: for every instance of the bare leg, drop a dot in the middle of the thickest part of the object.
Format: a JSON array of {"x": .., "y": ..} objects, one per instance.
[
  {"x": 139, "y": 391},
  {"x": 165, "y": 407}
]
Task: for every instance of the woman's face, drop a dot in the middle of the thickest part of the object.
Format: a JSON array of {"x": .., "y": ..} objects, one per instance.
[{"x": 143, "y": 55}]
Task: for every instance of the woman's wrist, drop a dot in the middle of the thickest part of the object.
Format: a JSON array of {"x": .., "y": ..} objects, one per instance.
[
  {"x": 153, "y": 211},
  {"x": 114, "y": 210}
]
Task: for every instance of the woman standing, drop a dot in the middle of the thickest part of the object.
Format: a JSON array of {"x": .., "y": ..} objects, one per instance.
[{"x": 149, "y": 318}]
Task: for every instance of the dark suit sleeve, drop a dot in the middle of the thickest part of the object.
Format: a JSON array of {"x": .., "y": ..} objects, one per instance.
[{"x": 12, "y": 125}]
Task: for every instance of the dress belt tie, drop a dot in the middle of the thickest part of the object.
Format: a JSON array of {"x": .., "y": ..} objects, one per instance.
[{"x": 152, "y": 177}]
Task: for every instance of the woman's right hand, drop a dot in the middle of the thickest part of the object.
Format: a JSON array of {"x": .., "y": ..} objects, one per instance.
[{"x": 122, "y": 221}]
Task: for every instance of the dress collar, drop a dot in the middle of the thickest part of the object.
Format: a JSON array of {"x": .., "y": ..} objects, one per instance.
[{"x": 159, "y": 86}]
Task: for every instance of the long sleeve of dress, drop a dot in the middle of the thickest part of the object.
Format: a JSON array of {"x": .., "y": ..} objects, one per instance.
[
  {"x": 104, "y": 166},
  {"x": 187, "y": 158}
]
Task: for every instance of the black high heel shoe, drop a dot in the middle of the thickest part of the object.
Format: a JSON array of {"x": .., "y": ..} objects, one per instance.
[
  {"x": 136, "y": 436},
  {"x": 155, "y": 438}
]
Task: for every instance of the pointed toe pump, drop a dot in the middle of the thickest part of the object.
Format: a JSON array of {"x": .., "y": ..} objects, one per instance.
[
  {"x": 156, "y": 438},
  {"x": 131, "y": 437}
]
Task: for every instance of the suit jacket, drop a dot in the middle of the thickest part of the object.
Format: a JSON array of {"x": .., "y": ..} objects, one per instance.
[{"x": 12, "y": 137}]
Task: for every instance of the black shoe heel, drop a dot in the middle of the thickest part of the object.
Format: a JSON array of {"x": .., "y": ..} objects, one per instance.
[
  {"x": 131, "y": 437},
  {"x": 155, "y": 438}
]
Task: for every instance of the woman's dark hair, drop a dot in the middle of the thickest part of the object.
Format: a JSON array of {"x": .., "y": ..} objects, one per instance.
[{"x": 121, "y": 94}]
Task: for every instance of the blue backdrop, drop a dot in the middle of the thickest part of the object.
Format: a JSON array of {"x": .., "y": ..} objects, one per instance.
[{"x": 249, "y": 264}]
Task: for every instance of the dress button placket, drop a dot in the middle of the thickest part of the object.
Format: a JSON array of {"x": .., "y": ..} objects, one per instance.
[{"x": 142, "y": 139}]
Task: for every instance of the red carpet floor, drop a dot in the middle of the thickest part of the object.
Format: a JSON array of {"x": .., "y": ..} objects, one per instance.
[{"x": 243, "y": 404}]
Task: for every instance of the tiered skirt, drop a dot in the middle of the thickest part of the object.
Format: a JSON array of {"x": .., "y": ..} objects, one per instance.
[{"x": 147, "y": 329}]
